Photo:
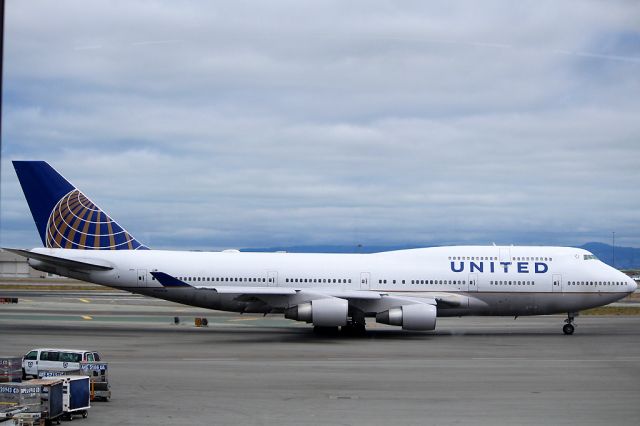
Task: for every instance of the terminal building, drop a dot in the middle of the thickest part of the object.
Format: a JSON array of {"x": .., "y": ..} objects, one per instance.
[{"x": 14, "y": 266}]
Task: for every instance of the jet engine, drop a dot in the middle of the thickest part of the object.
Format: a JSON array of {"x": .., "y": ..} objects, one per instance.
[
  {"x": 330, "y": 312},
  {"x": 410, "y": 317}
]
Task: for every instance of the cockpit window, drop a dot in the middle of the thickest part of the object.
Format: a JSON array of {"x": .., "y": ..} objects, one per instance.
[{"x": 589, "y": 257}]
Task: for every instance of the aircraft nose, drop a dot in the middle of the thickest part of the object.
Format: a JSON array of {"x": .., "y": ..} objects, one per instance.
[{"x": 633, "y": 286}]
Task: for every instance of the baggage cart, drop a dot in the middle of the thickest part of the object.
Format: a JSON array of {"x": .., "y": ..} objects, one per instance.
[
  {"x": 28, "y": 419},
  {"x": 98, "y": 373},
  {"x": 7, "y": 412},
  {"x": 41, "y": 397},
  {"x": 46, "y": 374},
  {"x": 10, "y": 369},
  {"x": 76, "y": 396},
  {"x": 51, "y": 396},
  {"x": 21, "y": 394}
]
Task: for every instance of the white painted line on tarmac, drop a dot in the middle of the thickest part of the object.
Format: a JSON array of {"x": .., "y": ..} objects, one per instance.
[
  {"x": 632, "y": 359},
  {"x": 209, "y": 359}
]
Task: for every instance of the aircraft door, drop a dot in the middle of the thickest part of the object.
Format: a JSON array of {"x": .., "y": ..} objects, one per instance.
[
  {"x": 557, "y": 283},
  {"x": 365, "y": 281},
  {"x": 143, "y": 279},
  {"x": 272, "y": 279},
  {"x": 473, "y": 282}
]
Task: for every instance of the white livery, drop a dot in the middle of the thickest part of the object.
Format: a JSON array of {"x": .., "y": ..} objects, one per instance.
[{"x": 406, "y": 288}]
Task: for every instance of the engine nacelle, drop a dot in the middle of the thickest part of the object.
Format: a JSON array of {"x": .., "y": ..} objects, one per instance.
[
  {"x": 410, "y": 317},
  {"x": 321, "y": 312}
]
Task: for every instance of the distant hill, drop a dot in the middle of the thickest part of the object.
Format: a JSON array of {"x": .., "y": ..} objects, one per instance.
[{"x": 626, "y": 257}]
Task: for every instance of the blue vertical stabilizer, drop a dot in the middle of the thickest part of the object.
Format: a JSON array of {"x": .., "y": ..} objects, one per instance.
[{"x": 64, "y": 216}]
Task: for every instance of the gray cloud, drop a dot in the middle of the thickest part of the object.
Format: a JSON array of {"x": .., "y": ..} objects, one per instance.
[{"x": 239, "y": 124}]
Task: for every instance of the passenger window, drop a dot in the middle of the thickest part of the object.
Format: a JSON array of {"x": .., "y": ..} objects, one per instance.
[
  {"x": 90, "y": 357},
  {"x": 96, "y": 356},
  {"x": 49, "y": 356},
  {"x": 70, "y": 357}
]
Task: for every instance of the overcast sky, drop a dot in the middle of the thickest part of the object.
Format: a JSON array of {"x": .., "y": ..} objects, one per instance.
[{"x": 256, "y": 124}]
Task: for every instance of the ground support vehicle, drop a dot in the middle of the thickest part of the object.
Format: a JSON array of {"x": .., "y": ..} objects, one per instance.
[
  {"x": 56, "y": 359},
  {"x": 76, "y": 396},
  {"x": 35, "y": 399},
  {"x": 10, "y": 369},
  {"x": 99, "y": 377}
]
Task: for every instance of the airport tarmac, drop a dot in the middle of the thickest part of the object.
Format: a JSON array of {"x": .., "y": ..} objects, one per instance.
[{"x": 262, "y": 371}]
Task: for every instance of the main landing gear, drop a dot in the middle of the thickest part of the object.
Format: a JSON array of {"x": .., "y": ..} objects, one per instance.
[
  {"x": 569, "y": 328},
  {"x": 354, "y": 328}
]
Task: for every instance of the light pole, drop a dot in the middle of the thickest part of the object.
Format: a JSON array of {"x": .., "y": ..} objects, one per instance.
[{"x": 613, "y": 250}]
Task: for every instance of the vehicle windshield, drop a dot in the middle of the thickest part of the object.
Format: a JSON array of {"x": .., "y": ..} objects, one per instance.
[{"x": 589, "y": 257}]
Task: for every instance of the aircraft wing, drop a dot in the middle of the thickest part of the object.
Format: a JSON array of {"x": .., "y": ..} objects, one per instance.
[{"x": 75, "y": 264}]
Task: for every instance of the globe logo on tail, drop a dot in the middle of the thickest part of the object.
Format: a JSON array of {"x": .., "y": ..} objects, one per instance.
[{"x": 77, "y": 223}]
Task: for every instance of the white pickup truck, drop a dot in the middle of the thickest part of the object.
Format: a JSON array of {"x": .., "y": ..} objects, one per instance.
[{"x": 55, "y": 359}]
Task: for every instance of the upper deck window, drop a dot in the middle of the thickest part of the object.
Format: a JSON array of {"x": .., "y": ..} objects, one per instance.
[{"x": 589, "y": 257}]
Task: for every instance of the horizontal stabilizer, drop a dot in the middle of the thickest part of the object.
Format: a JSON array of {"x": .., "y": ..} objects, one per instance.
[{"x": 76, "y": 264}]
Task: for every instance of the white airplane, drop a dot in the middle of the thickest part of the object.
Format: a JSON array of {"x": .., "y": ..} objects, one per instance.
[{"x": 406, "y": 288}]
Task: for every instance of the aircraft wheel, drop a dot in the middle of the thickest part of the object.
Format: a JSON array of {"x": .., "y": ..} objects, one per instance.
[
  {"x": 325, "y": 331},
  {"x": 354, "y": 329},
  {"x": 568, "y": 329}
]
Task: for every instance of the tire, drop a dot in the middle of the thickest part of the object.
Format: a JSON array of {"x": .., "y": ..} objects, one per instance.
[
  {"x": 325, "y": 331},
  {"x": 568, "y": 329},
  {"x": 354, "y": 329}
]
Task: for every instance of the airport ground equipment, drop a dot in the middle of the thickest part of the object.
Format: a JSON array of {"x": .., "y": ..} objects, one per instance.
[
  {"x": 39, "y": 398},
  {"x": 100, "y": 389},
  {"x": 56, "y": 359},
  {"x": 98, "y": 373},
  {"x": 76, "y": 396},
  {"x": 26, "y": 419},
  {"x": 22, "y": 394},
  {"x": 8, "y": 412},
  {"x": 10, "y": 369}
]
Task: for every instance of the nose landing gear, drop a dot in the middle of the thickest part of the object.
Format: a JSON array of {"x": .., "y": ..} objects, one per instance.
[{"x": 569, "y": 328}]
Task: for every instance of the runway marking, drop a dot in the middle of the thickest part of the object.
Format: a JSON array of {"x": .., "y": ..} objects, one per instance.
[
  {"x": 86, "y": 317},
  {"x": 242, "y": 319},
  {"x": 558, "y": 360},
  {"x": 84, "y": 300}
]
